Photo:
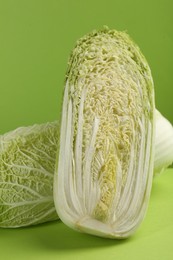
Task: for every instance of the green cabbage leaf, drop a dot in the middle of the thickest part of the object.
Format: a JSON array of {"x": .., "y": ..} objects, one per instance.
[{"x": 27, "y": 162}]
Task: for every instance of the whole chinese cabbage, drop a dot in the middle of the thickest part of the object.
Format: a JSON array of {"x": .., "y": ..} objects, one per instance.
[{"x": 105, "y": 169}]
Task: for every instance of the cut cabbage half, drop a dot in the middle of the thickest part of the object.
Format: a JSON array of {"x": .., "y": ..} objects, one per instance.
[{"x": 104, "y": 174}]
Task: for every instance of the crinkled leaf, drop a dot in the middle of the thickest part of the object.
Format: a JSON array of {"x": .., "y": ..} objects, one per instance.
[{"x": 27, "y": 162}]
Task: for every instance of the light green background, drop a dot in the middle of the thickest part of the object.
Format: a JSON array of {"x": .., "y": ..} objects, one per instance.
[{"x": 36, "y": 37}]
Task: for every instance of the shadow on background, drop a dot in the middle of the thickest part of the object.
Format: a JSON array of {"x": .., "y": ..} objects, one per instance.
[
  {"x": 56, "y": 236},
  {"x": 59, "y": 236}
]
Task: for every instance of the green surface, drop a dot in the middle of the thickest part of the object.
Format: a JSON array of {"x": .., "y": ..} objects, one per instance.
[
  {"x": 36, "y": 37},
  {"x": 152, "y": 241}
]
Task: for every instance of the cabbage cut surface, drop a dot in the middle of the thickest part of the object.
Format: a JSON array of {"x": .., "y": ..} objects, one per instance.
[{"x": 105, "y": 168}]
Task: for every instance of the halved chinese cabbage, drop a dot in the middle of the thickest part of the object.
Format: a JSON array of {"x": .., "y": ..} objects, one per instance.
[
  {"x": 104, "y": 176},
  {"x": 27, "y": 162}
]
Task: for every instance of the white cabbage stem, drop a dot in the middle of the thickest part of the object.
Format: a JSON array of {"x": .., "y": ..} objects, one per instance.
[{"x": 163, "y": 144}]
